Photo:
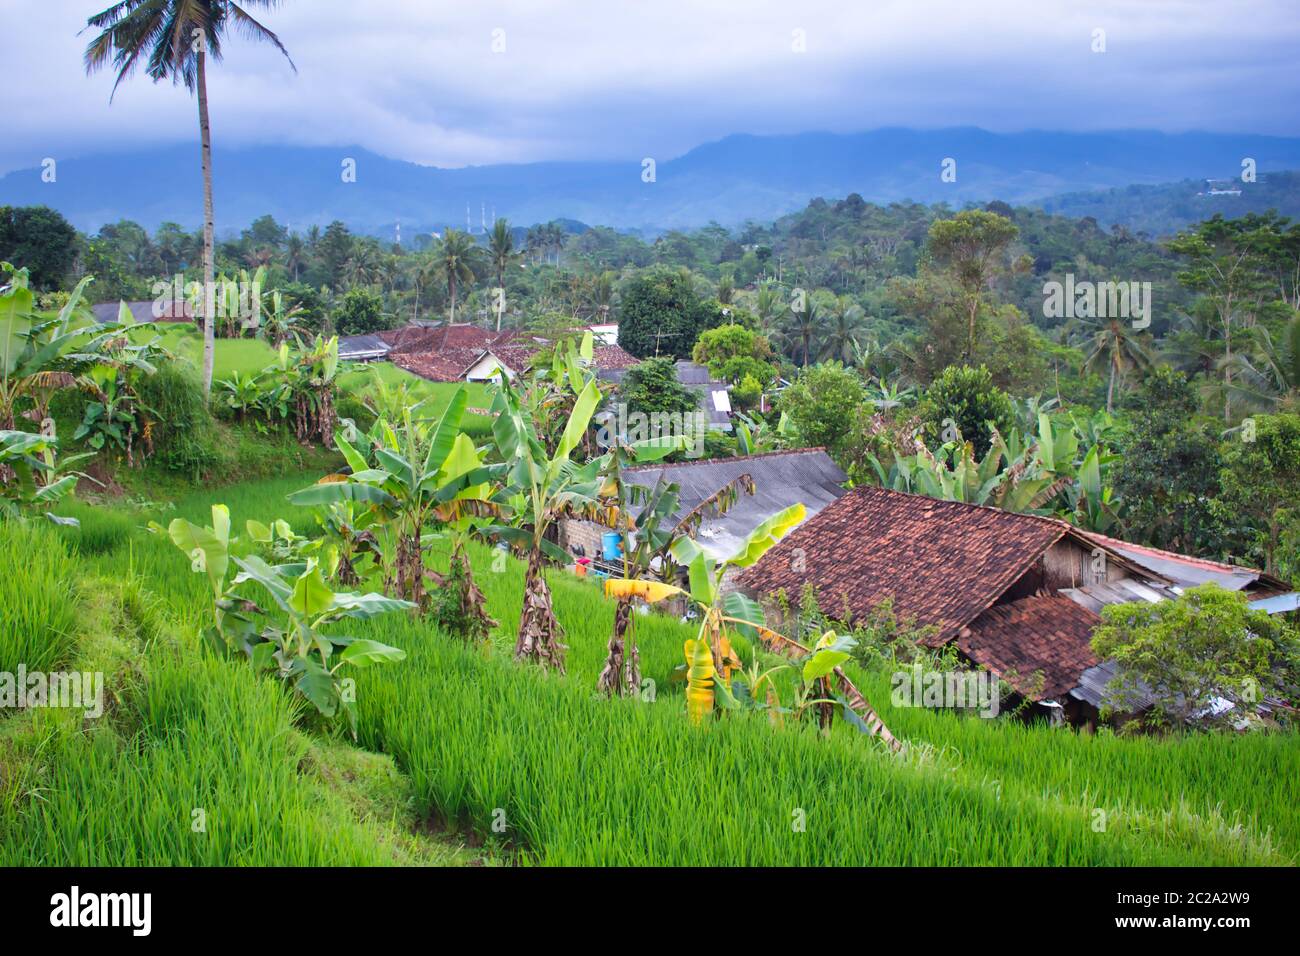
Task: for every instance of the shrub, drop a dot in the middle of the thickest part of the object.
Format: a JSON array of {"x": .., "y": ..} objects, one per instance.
[
  {"x": 360, "y": 311},
  {"x": 184, "y": 434},
  {"x": 651, "y": 386},
  {"x": 967, "y": 399},
  {"x": 823, "y": 404}
]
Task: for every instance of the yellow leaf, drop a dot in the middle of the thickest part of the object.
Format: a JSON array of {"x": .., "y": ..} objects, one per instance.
[
  {"x": 699, "y": 680},
  {"x": 650, "y": 591}
]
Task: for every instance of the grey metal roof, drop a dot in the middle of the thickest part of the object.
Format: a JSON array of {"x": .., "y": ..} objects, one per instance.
[
  {"x": 1124, "y": 591},
  {"x": 140, "y": 311},
  {"x": 362, "y": 346},
  {"x": 1188, "y": 574},
  {"x": 695, "y": 377},
  {"x": 1092, "y": 687},
  {"x": 1278, "y": 603},
  {"x": 781, "y": 479}
]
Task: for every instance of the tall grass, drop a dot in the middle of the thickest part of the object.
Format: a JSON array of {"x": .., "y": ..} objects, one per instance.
[
  {"x": 38, "y": 597},
  {"x": 195, "y": 762}
]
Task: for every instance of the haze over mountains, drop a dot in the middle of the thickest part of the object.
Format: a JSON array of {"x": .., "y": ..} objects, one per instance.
[{"x": 737, "y": 178}]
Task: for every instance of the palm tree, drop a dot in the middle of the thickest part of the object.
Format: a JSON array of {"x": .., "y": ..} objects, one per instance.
[
  {"x": 767, "y": 304},
  {"x": 501, "y": 249},
  {"x": 454, "y": 258},
  {"x": 295, "y": 253},
  {"x": 175, "y": 38},
  {"x": 726, "y": 289},
  {"x": 801, "y": 327},
  {"x": 1114, "y": 345},
  {"x": 533, "y": 242},
  {"x": 600, "y": 293},
  {"x": 846, "y": 327},
  {"x": 364, "y": 267},
  {"x": 1272, "y": 376}
]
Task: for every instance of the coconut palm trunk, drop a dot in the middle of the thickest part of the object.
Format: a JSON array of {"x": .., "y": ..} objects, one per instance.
[
  {"x": 209, "y": 265},
  {"x": 539, "y": 631}
]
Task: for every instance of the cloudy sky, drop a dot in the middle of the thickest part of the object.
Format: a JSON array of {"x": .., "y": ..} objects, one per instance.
[{"x": 488, "y": 81}]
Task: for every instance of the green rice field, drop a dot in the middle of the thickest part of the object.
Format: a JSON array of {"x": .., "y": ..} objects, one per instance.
[{"x": 464, "y": 755}]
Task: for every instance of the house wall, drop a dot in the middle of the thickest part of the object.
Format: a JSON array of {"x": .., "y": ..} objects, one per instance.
[
  {"x": 584, "y": 534},
  {"x": 1067, "y": 564},
  {"x": 486, "y": 369}
]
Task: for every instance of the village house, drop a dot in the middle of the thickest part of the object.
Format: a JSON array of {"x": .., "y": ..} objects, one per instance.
[
  {"x": 780, "y": 479},
  {"x": 1017, "y": 594},
  {"x": 463, "y": 353},
  {"x": 471, "y": 353}
]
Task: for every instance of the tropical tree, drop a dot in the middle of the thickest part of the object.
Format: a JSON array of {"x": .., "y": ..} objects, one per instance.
[
  {"x": 1114, "y": 348},
  {"x": 845, "y": 326},
  {"x": 802, "y": 325},
  {"x": 647, "y": 519},
  {"x": 32, "y": 349},
  {"x": 174, "y": 38},
  {"x": 1226, "y": 263},
  {"x": 969, "y": 246},
  {"x": 1271, "y": 376},
  {"x": 501, "y": 250},
  {"x": 419, "y": 477},
  {"x": 454, "y": 261},
  {"x": 712, "y": 658},
  {"x": 545, "y": 486}
]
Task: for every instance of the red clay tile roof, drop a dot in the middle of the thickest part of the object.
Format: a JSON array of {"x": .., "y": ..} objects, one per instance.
[
  {"x": 410, "y": 338},
  {"x": 447, "y": 366},
  {"x": 1040, "y": 645},
  {"x": 942, "y": 562},
  {"x": 613, "y": 356}
]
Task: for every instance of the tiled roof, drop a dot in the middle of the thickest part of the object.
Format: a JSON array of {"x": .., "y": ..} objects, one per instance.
[
  {"x": 412, "y": 338},
  {"x": 613, "y": 356},
  {"x": 1040, "y": 645},
  {"x": 446, "y": 366},
  {"x": 942, "y": 562}
]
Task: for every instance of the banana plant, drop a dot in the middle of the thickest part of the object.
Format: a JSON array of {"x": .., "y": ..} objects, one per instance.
[
  {"x": 38, "y": 476},
  {"x": 32, "y": 349},
  {"x": 657, "y": 526},
  {"x": 419, "y": 477},
  {"x": 294, "y": 645},
  {"x": 544, "y": 486},
  {"x": 308, "y": 376},
  {"x": 709, "y": 655},
  {"x": 711, "y": 659}
]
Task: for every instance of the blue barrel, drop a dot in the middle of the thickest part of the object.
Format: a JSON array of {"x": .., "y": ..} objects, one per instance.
[{"x": 612, "y": 545}]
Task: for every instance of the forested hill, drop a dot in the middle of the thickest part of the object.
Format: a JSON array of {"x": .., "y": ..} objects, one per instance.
[
  {"x": 854, "y": 247},
  {"x": 1164, "y": 209}
]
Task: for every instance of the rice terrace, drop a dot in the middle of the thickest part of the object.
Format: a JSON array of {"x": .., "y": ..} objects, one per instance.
[{"x": 912, "y": 498}]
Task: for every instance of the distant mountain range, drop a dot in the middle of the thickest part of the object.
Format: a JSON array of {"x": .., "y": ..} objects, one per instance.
[{"x": 737, "y": 178}]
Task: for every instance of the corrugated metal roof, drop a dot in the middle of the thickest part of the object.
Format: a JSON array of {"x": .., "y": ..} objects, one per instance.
[
  {"x": 357, "y": 346},
  {"x": 781, "y": 479},
  {"x": 1278, "y": 603},
  {"x": 1092, "y": 687}
]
